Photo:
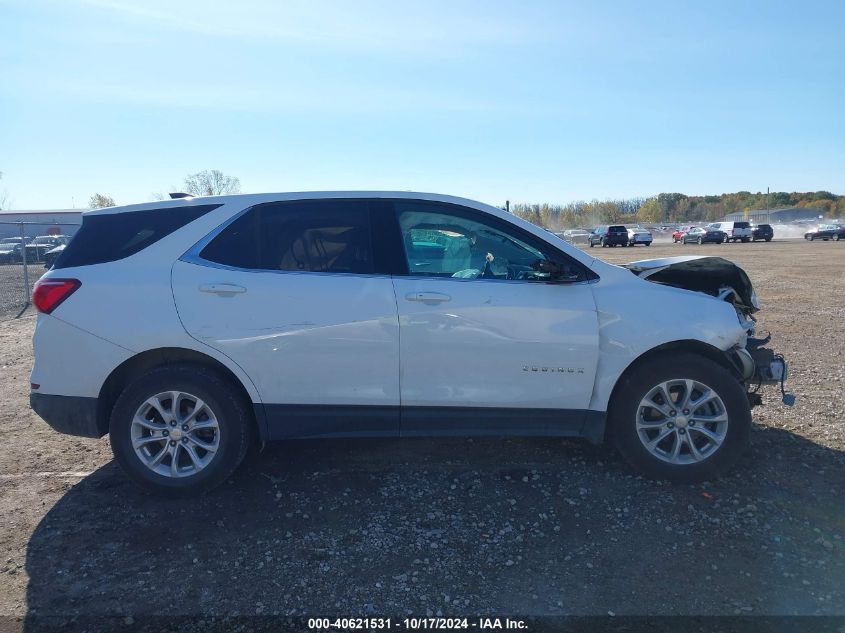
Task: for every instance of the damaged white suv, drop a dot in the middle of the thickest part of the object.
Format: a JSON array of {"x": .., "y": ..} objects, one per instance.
[{"x": 188, "y": 329}]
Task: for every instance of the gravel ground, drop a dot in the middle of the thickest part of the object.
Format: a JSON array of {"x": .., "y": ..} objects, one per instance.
[
  {"x": 454, "y": 526},
  {"x": 11, "y": 287}
]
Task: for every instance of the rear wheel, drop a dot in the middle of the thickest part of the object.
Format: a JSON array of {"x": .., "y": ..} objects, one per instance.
[
  {"x": 683, "y": 418},
  {"x": 836, "y": 237},
  {"x": 768, "y": 239},
  {"x": 700, "y": 241},
  {"x": 180, "y": 430}
]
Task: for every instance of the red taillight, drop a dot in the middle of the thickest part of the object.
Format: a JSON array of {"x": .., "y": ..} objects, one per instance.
[{"x": 49, "y": 293}]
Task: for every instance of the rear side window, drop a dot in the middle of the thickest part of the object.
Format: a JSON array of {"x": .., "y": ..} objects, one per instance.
[
  {"x": 114, "y": 236},
  {"x": 327, "y": 236}
]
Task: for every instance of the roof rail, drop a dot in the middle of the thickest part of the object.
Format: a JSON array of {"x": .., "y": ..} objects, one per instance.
[{"x": 179, "y": 194}]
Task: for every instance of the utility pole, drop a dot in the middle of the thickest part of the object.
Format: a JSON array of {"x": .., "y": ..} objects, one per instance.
[
  {"x": 25, "y": 267},
  {"x": 767, "y": 204}
]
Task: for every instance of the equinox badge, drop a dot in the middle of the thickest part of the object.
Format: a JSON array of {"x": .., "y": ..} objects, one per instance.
[{"x": 555, "y": 370}]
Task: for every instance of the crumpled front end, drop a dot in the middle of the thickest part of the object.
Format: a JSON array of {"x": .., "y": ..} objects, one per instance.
[{"x": 755, "y": 363}]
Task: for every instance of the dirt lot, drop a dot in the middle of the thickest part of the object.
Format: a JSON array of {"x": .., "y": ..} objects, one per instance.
[
  {"x": 11, "y": 288},
  {"x": 454, "y": 526}
]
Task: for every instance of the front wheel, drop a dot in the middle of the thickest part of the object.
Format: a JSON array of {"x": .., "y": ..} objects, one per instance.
[
  {"x": 836, "y": 238},
  {"x": 683, "y": 418},
  {"x": 700, "y": 241},
  {"x": 180, "y": 430}
]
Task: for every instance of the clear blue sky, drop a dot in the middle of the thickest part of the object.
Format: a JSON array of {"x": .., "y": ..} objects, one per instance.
[{"x": 528, "y": 101}]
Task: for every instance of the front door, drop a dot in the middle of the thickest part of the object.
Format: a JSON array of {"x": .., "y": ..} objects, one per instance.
[{"x": 487, "y": 343}]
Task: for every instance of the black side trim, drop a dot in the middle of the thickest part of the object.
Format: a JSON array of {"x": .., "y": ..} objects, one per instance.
[
  {"x": 73, "y": 415},
  {"x": 442, "y": 421},
  {"x": 317, "y": 420},
  {"x": 287, "y": 421}
]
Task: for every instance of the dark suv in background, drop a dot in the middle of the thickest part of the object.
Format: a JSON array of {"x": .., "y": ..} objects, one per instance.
[
  {"x": 609, "y": 236},
  {"x": 762, "y": 232}
]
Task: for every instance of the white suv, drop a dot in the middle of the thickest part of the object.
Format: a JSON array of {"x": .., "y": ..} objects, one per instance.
[
  {"x": 188, "y": 329},
  {"x": 735, "y": 231}
]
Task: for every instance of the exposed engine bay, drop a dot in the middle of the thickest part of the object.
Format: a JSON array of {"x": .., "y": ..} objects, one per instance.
[{"x": 756, "y": 364}]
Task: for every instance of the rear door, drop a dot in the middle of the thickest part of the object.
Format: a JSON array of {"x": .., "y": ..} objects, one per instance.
[{"x": 290, "y": 292}]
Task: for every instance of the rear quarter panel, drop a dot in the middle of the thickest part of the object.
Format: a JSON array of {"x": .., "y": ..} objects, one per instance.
[{"x": 129, "y": 303}]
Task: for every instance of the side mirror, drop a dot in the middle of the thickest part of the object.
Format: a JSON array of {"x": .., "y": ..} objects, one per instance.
[{"x": 557, "y": 272}]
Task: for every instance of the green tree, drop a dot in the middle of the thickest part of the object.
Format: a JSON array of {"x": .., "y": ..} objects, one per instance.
[
  {"x": 99, "y": 201},
  {"x": 649, "y": 213}
]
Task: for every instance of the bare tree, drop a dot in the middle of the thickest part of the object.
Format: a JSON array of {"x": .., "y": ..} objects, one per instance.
[
  {"x": 211, "y": 182},
  {"x": 5, "y": 200},
  {"x": 99, "y": 201}
]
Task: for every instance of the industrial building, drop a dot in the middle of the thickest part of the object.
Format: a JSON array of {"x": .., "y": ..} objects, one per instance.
[
  {"x": 775, "y": 216},
  {"x": 47, "y": 222}
]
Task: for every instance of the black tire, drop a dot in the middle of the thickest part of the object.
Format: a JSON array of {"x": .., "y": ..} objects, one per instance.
[
  {"x": 768, "y": 239},
  {"x": 633, "y": 387},
  {"x": 836, "y": 237},
  {"x": 602, "y": 242},
  {"x": 234, "y": 417},
  {"x": 700, "y": 241},
  {"x": 591, "y": 244}
]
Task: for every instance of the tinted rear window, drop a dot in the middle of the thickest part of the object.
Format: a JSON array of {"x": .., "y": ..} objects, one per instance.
[
  {"x": 741, "y": 225},
  {"x": 617, "y": 229},
  {"x": 328, "y": 236},
  {"x": 110, "y": 237}
]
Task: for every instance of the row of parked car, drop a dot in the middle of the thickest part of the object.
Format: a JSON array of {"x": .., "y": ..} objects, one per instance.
[
  {"x": 609, "y": 236},
  {"x": 43, "y": 248},
  {"x": 721, "y": 232}
]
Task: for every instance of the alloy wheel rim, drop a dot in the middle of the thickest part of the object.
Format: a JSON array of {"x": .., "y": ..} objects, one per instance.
[
  {"x": 175, "y": 434},
  {"x": 682, "y": 421}
]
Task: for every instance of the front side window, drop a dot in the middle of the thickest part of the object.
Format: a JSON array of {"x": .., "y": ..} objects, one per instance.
[
  {"x": 327, "y": 236},
  {"x": 445, "y": 241}
]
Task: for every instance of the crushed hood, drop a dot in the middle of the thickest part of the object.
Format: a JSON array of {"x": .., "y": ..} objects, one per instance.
[{"x": 712, "y": 275}]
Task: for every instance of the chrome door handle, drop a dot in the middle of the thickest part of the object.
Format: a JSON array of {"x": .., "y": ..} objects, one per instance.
[
  {"x": 428, "y": 297},
  {"x": 222, "y": 289}
]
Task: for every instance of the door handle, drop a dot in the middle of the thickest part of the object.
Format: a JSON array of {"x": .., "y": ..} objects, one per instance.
[
  {"x": 222, "y": 289},
  {"x": 428, "y": 297}
]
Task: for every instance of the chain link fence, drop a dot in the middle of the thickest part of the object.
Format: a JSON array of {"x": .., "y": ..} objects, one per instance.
[{"x": 24, "y": 248}]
